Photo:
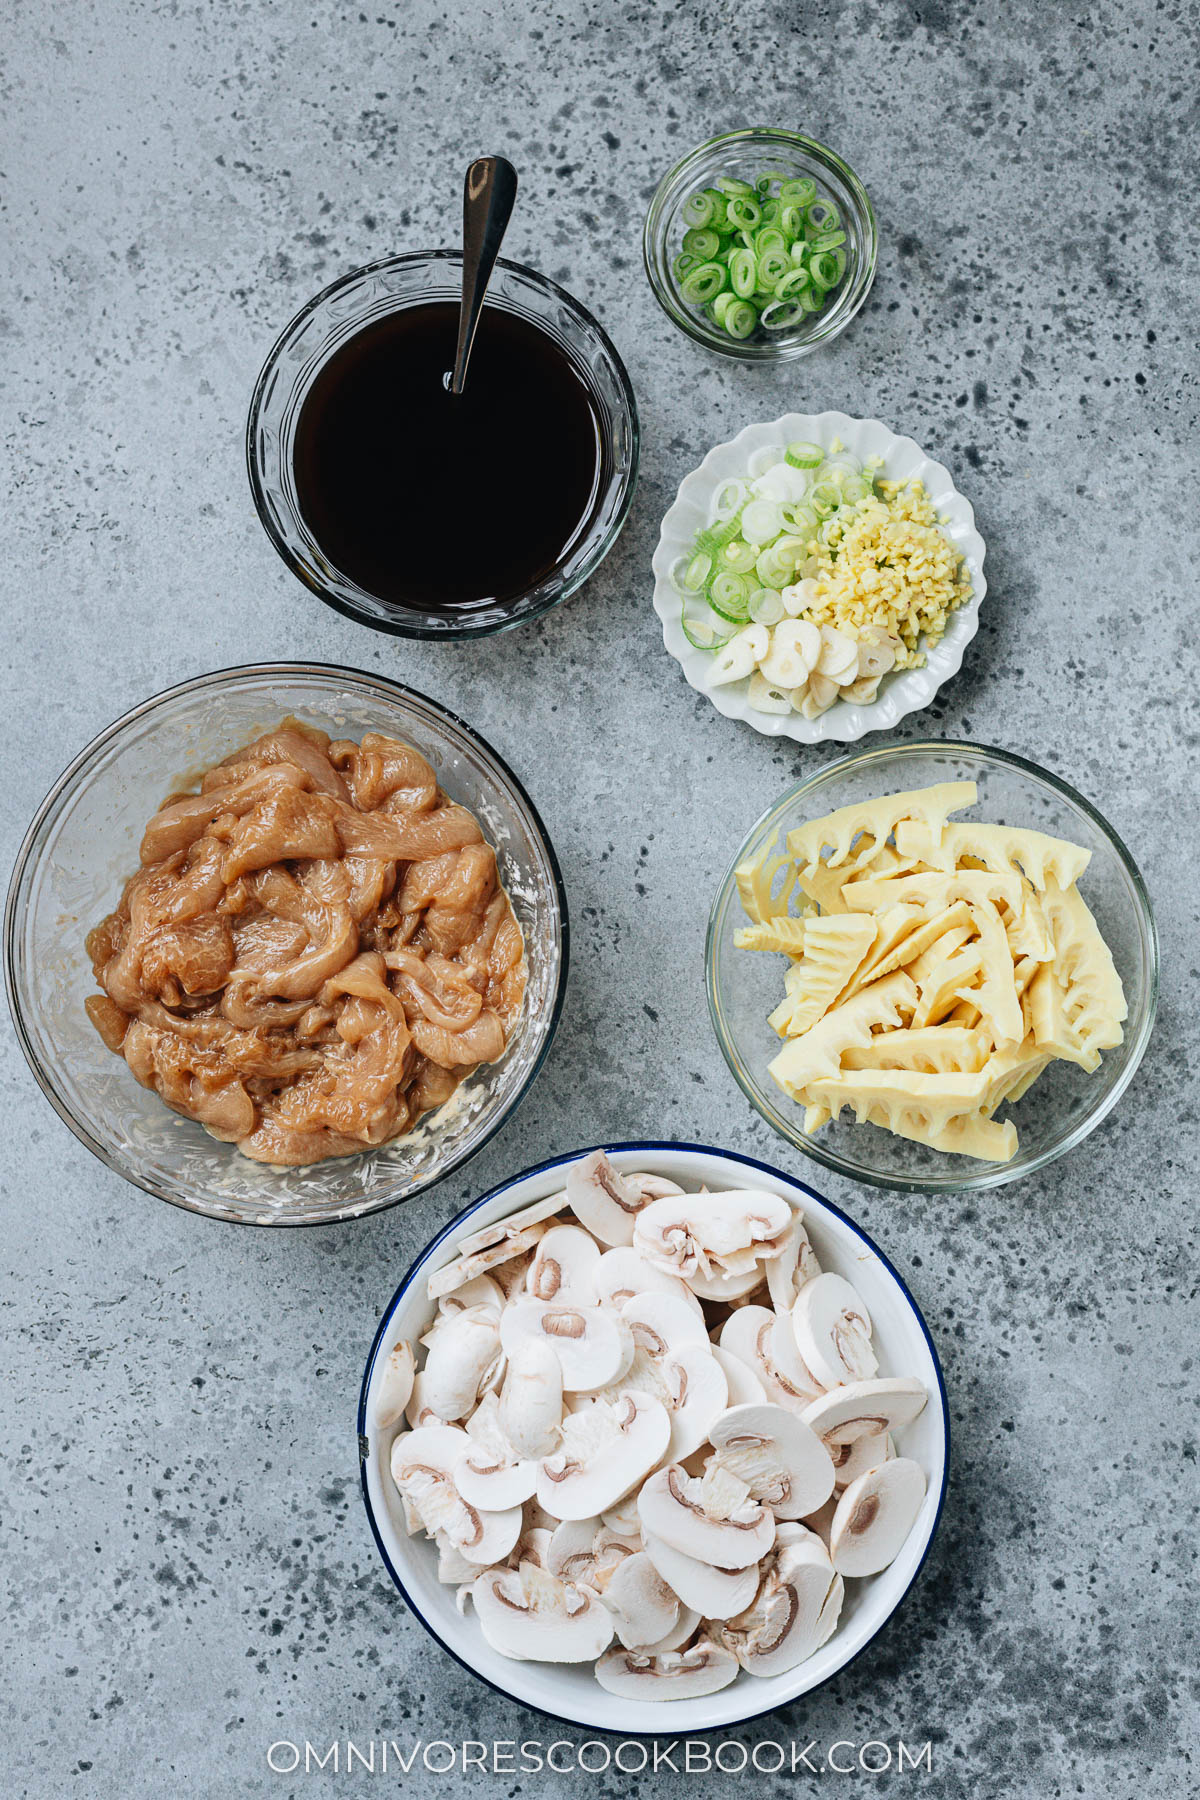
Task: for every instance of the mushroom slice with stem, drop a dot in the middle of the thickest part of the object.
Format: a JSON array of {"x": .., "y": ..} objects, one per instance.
[
  {"x": 473, "y": 1263},
  {"x": 622, "y": 1275},
  {"x": 643, "y": 1607},
  {"x": 711, "y": 1518},
  {"x": 667, "y": 1675},
  {"x": 875, "y": 1515},
  {"x": 532, "y": 1616},
  {"x": 744, "y": 1385},
  {"x": 792, "y": 1268},
  {"x": 593, "y": 1344},
  {"x": 463, "y": 1350},
  {"x": 564, "y": 1267},
  {"x": 713, "y": 1593},
  {"x": 533, "y": 1217},
  {"x": 606, "y": 1450},
  {"x": 764, "y": 1342},
  {"x": 453, "y": 1569},
  {"x": 866, "y": 1408},
  {"x": 531, "y": 1400},
  {"x": 832, "y": 1328},
  {"x": 820, "y": 1523},
  {"x": 717, "y": 1234},
  {"x": 795, "y": 1610},
  {"x": 417, "y": 1412},
  {"x": 697, "y": 1394},
  {"x": 603, "y": 1201},
  {"x": 622, "y": 1519},
  {"x": 485, "y": 1290},
  {"x": 395, "y": 1385},
  {"x": 423, "y": 1464},
  {"x": 490, "y": 1474},
  {"x": 775, "y": 1453},
  {"x": 852, "y": 1460}
]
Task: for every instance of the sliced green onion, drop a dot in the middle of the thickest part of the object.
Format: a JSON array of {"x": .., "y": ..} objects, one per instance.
[
  {"x": 799, "y": 192},
  {"x": 715, "y": 537},
  {"x": 769, "y": 571},
  {"x": 798, "y": 517},
  {"x": 743, "y": 212},
  {"x": 721, "y": 305},
  {"x": 738, "y": 555},
  {"x": 766, "y": 608},
  {"x": 682, "y": 265},
  {"x": 743, "y": 273},
  {"x": 825, "y": 498},
  {"x": 824, "y": 270},
  {"x": 770, "y": 212},
  {"x": 780, "y": 315},
  {"x": 804, "y": 456},
  {"x": 731, "y": 186},
  {"x": 821, "y": 215},
  {"x": 704, "y": 283},
  {"x": 730, "y": 497},
  {"x": 769, "y": 238},
  {"x": 829, "y": 240},
  {"x": 701, "y": 626},
  {"x": 773, "y": 265},
  {"x": 730, "y": 594},
  {"x": 697, "y": 572},
  {"x": 697, "y": 209},
  {"x": 703, "y": 245},
  {"x": 761, "y": 522},
  {"x": 791, "y": 221},
  {"x": 791, "y": 283},
  {"x": 740, "y": 319},
  {"x": 719, "y": 204}
]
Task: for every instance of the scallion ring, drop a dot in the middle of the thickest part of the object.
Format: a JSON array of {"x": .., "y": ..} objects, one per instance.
[
  {"x": 729, "y": 594},
  {"x": 703, "y": 245},
  {"x": 740, "y": 319},
  {"x": 703, "y": 283}
]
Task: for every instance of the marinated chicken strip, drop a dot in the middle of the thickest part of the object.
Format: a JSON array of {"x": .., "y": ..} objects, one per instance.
[{"x": 315, "y": 951}]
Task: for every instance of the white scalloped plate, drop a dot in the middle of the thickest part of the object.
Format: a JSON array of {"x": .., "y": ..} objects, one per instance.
[{"x": 906, "y": 690}]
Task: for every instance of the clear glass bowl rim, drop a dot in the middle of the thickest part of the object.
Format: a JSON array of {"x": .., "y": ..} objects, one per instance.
[
  {"x": 654, "y": 248},
  {"x": 403, "y": 627},
  {"x": 66, "y": 782},
  {"x": 992, "y": 1176}
]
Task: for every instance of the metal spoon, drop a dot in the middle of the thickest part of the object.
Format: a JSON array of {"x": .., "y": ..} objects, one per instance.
[{"x": 489, "y": 195}]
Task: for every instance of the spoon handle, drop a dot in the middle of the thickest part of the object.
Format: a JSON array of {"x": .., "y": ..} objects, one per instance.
[{"x": 489, "y": 195}]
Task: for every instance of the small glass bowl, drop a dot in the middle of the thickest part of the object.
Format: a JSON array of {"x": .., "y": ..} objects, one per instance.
[
  {"x": 371, "y": 293},
  {"x": 83, "y": 845},
  {"x": 744, "y": 155},
  {"x": 1065, "y": 1103}
]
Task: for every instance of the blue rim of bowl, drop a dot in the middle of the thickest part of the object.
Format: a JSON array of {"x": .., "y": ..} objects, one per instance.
[
  {"x": 61, "y": 785},
  {"x": 992, "y": 1175},
  {"x": 649, "y": 1146},
  {"x": 400, "y": 628}
]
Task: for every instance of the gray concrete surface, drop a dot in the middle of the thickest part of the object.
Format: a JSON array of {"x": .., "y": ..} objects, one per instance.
[{"x": 188, "y": 1572}]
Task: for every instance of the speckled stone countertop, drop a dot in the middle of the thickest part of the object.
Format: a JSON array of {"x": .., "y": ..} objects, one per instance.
[{"x": 188, "y": 1572}]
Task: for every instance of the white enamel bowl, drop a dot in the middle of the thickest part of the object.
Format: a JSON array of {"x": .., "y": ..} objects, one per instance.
[
  {"x": 900, "y": 693},
  {"x": 571, "y": 1693}
]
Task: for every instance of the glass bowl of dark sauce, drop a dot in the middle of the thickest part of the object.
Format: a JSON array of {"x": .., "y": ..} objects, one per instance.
[{"x": 430, "y": 514}]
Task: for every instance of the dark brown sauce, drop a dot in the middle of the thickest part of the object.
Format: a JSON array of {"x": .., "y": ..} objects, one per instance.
[{"x": 434, "y": 501}]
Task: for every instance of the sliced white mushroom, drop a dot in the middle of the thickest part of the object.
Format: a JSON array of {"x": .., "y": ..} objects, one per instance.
[
  {"x": 463, "y": 1351},
  {"x": 796, "y": 1264},
  {"x": 453, "y": 1569},
  {"x": 606, "y": 1449},
  {"x": 644, "y": 1609},
  {"x": 781, "y": 1460},
  {"x": 621, "y": 1519},
  {"x": 794, "y": 1611},
  {"x": 713, "y": 1593},
  {"x": 423, "y": 1465},
  {"x": 739, "y": 656},
  {"x": 663, "y": 1323},
  {"x": 490, "y": 1474},
  {"x": 485, "y": 1290},
  {"x": 852, "y": 1460},
  {"x": 593, "y": 1344},
  {"x": 705, "y": 1668},
  {"x": 603, "y": 1201},
  {"x": 533, "y": 1546},
  {"x": 533, "y": 1217},
  {"x": 697, "y": 1394},
  {"x": 682, "y": 1632},
  {"x": 832, "y": 1328},
  {"x": 564, "y": 1267},
  {"x": 820, "y": 1523},
  {"x": 532, "y": 1616},
  {"x": 874, "y": 1516},
  {"x": 471, "y": 1264},
  {"x": 866, "y": 1408},
  {"x": 531, "y": 1400},
  {"x": 394, "y": 1390},
  {"x": 712, "y": 1234},
  {"x": 766, "y": 1345},
  {"x": 707, "y": 1520},
  {"x": 622, "y": 1275},
  {"x": 731, "y": 1290},
  {"x": 743, "y": 1384},
  {"x": 417, "y": 1412}
]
